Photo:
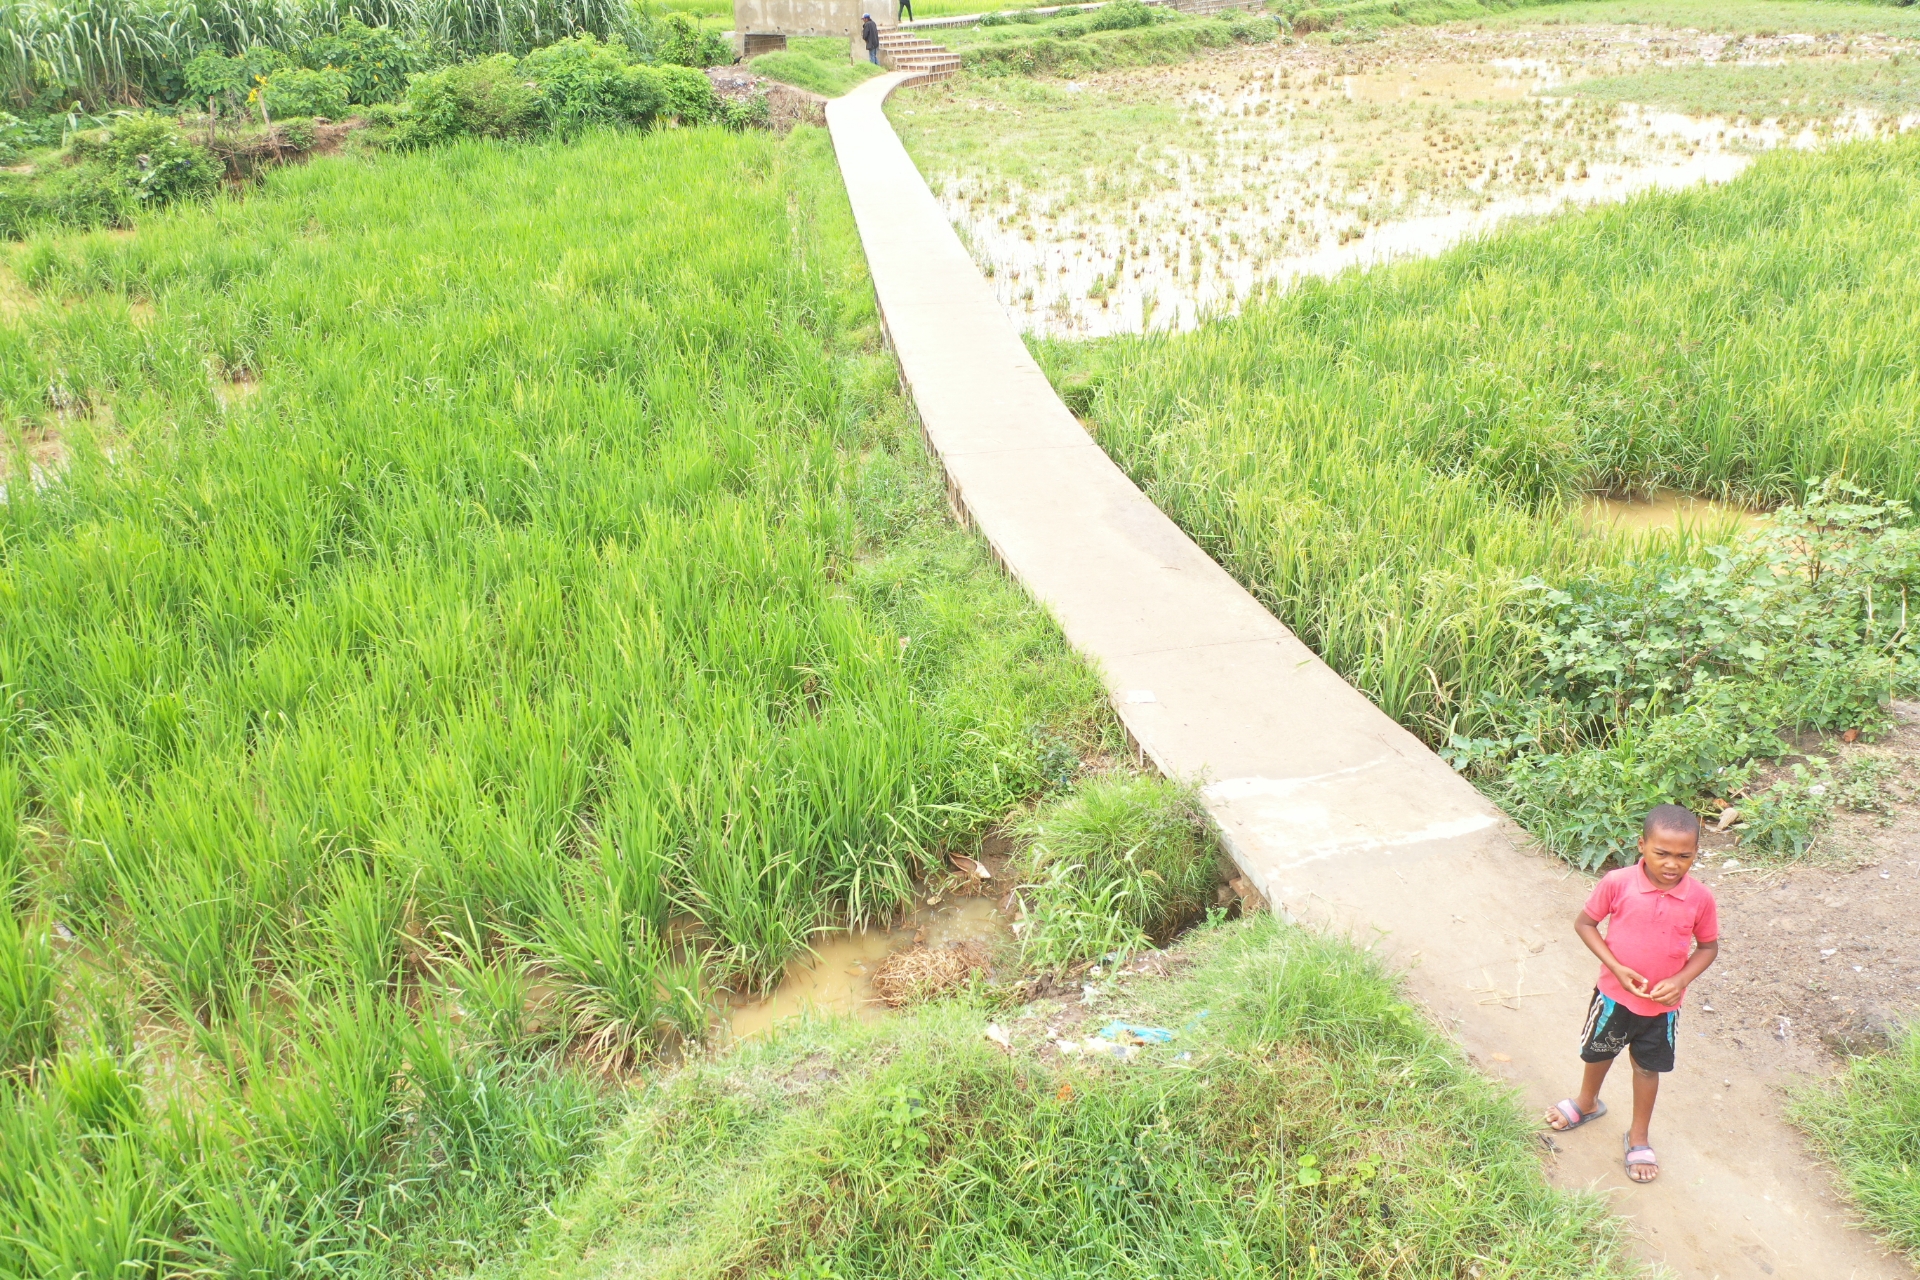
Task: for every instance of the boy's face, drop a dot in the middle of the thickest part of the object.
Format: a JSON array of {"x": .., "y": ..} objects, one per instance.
[{"x": 1668, "y": 855}]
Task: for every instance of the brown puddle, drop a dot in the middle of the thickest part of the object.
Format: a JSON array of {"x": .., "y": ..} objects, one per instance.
[
  {"x": 838, "y": 977},
  {"x": 1673, "y": 511}
]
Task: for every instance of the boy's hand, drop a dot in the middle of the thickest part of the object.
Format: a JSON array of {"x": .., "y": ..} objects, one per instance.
[
  {"x": 1667, "y": 991},
  {"x": 1634, "y": 982}
]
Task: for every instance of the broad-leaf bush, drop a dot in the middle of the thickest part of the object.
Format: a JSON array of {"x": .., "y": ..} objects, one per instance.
[
  {"x": 300, "y": 91},
  {"x": 375, "y": 60},
  {"x": 111, "y": 175},
  {"x": 486, "y": 98},
  {"x": 565, "y": 87},
  {"x": 1662, "y": 687}
]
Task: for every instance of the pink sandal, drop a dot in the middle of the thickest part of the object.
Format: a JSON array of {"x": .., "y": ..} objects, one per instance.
[
  {"x": 1639, "y": 1157},
  {"x": 1570, "y": 1112}
]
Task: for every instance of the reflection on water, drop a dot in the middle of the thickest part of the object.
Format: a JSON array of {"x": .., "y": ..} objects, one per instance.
[
  {"x": 838, "y": 977},
  {"x": 1670, "y": 510}
]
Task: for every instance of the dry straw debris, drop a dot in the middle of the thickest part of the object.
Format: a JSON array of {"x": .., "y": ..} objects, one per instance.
[{"x": 923, "y": 973}]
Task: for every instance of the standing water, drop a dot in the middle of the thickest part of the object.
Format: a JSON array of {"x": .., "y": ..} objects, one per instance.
[{"x": 837, "y": 977}]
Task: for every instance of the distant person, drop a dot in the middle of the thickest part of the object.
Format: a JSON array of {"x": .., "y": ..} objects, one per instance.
[
  {"x": 870, "y": 33},
  {"x": 906, "y": 12},
  {"x": 1656, "y": 914}
]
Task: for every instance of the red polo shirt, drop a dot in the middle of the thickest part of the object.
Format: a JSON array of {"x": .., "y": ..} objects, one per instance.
[{"x": 1649, "y": 929}]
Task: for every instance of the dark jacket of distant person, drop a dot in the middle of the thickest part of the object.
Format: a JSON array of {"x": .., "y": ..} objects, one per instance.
[{"x": 870, "y": 33}]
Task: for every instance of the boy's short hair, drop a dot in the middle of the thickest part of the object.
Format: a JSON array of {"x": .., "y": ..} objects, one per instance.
[{"x": 1674, "y": 819}]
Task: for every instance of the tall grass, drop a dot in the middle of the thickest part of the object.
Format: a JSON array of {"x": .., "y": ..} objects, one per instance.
[
  {"x": 493, "y": 583},
  {"x": 1868, "y": 1122},
  {"x": 1387, "y": 458}
]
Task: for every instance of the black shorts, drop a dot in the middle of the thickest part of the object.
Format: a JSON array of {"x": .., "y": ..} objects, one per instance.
[{"x": 1611, "y": 1027}]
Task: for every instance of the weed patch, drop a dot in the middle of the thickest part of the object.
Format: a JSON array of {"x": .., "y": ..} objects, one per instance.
[{"x": 1314, "y": 1124}]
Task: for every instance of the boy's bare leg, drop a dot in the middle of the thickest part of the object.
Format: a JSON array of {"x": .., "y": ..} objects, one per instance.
[
  {"x": 1646, "y": 1087},
  {"x": 1589, "y": 1096}
]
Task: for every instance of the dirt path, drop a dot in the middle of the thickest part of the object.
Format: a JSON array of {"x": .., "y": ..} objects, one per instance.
[{"x": 1337, "y": 813}]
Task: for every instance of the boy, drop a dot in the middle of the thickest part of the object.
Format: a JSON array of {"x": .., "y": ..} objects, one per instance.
[{"x": 1656, "y": 910}]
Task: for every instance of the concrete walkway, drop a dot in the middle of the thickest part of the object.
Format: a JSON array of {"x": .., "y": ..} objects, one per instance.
[{"x": 1338, "y": 814}]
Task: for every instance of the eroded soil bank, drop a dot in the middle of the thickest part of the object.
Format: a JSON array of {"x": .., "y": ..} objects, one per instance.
[{"x": 1152, "y": 197}]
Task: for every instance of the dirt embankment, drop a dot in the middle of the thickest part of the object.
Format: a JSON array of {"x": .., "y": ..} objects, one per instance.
[{"x": 786, "y": 105}]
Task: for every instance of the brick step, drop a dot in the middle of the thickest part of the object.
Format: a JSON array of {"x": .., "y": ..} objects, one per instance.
[{"x": 917, "y": 56}]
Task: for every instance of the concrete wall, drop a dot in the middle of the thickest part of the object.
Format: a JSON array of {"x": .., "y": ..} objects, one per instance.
[{"x": 808, "y": 17}]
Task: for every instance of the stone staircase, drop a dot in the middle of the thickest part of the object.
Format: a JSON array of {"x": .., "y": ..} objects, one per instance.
[
  {"x": 917, "y": 56},
  {"x": 1208, "y": 8}
]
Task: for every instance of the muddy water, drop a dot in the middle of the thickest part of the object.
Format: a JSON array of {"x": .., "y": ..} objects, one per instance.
[
  {"x": 1670, "y": 511},
  {"x": 838, "y": 977}
]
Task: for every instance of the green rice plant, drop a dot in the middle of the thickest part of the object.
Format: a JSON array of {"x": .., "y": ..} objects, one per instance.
[
  {"x": 100, "y": 1097},
  {"x": 1112, "y": 866},
  {"x": 491, "y": 996},
  {"x": 197, "y": 927},
  {"x": 360, "y": 925},
  {"x": 105, "y": 1217},
  {"x": 28, "y": 983},
  {"x": 617, "y": 970},
  {"x": 1392, "y": 462},
  {"x": 550, "y": 591},
  {"x": 1867, "y": 1122},
  {"x": 12, "y": 847}
]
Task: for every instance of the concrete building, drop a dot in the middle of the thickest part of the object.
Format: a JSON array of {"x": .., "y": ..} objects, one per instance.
[{"x": 763, "y": 25}]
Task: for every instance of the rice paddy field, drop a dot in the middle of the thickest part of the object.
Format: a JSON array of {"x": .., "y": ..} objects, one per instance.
[
  {"x": 471, "y": 607},
  {"x": 1152, "y": 197},
  {"x": 1384, "y": 318}
]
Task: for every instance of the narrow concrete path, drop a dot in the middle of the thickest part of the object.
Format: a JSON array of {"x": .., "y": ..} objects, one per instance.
[{"x": 1340, "y": 816}]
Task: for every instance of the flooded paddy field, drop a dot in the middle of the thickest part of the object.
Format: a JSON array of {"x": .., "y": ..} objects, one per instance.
[{"x": 1148, "y": 198}]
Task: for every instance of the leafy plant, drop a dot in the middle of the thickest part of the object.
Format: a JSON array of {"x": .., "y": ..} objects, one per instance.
[
  {"x": 1864, "y": 783},
  {"x": 486, "y": 98},
  {"x": 375, "y": 60},
  {"x": 300, "y": 91},
  {"x": 1782, "y": 818}
]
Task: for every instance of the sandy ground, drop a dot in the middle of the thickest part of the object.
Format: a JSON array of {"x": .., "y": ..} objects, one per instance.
[{"x": 1151, "y": 198}]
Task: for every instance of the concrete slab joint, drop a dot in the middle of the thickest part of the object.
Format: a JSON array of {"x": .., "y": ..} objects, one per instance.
[{"x": 1336, "y": 814}]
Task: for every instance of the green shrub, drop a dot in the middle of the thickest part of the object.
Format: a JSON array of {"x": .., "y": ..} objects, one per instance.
[
  {"x": 677, "y": 40},
  {"x": 1119, "y": 15},
  {"x": 232, "y": 80},
  {"x": 141, "y": 162},
  {"x": 300, "y": 91},
  {"x": 1112, "y": 866},
  {"x": 486, "y": 98},
  {"x": 375, "y": 60},
  {"x": 686, "y": 95},
  {"x": 583, "y": 82}
]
